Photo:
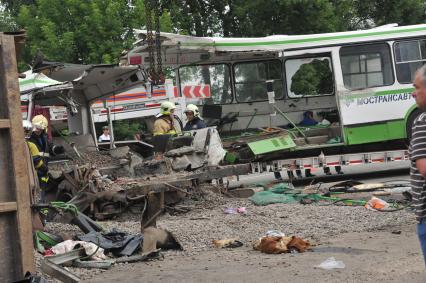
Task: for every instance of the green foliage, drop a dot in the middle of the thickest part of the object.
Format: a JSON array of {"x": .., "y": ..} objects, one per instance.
[
  {"x": 96, "y": 31},
  {"x": 7, "y": 22},
  {"x": 313, "y": 78},
  {"x": 126, "y": 129},
  {"x": 80, "y": 31}
]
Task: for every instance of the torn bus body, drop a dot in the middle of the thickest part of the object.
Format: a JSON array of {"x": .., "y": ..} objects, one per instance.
[{"x": 329, "y": 97}]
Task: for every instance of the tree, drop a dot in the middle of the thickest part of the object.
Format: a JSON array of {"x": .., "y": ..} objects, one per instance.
[
  {"x": 403, "y": 12},
  {"x": 13, "y": 6},
  {"x": 253, "y": 18},
  {"x": 80, "y": 31},
  {"x": 7, "y": 22},
  {"x": 313, "y": 78}
]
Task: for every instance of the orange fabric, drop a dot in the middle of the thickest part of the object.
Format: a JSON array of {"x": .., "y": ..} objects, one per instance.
[{"x": 278, "y": 245}]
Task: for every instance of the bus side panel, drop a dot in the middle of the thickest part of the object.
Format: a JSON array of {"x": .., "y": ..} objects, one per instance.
[{"x": 391, "y": 130}]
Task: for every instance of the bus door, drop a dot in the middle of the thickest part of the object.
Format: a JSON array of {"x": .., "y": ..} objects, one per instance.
[
  {"x": 374, "y": 101},
  {"x": 310, "y": 84}
]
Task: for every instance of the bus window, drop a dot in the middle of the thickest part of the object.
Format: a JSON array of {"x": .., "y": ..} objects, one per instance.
[
  {"x": 311, "y": 76},
  {"x": 366, "y": 66},
  {"x": 251, "y": 77},
  {"x": 217, "y": 76},
  {"x": 409, "y": 56}
]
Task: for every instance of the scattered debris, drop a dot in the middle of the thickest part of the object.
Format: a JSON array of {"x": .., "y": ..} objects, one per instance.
[
  {"x": 376, "y": 204},
  {"x": 231, "y": 210},
  {"x": 227, "y": 243},
  {"x": 58, "y": 272},
  {"x": 281, "y": 244},
  {"x": 331, "y": 263},
  {"x": 274, "y": 233},
  {"x": 93, "y": 251},
  {"x": 30, "y": 278}
]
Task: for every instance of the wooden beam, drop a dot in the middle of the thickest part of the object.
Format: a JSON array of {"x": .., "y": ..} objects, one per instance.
[
  {"x": 4, "y": 123},
  {"x": 8, "y": 206},
  {"x": 18, "y": 162}
]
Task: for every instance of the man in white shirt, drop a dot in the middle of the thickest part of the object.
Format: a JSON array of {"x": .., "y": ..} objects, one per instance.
[{"x": 105, "y": 137}]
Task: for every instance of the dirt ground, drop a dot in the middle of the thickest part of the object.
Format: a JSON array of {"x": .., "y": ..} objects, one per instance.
[
  {"x": 369, "y": 257},
  {"x": 374, "y": 246},
  {"x": 388, "y": 252}
]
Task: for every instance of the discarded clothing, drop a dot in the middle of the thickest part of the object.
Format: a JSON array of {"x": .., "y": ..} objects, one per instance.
[
  {"x": 119, "y": 243},
  {"x": 308, "y": 119},
  {"x": 90, "y": 249},
  {"x": 272, "y": 245},
  {"x": 278, "y": 245}
]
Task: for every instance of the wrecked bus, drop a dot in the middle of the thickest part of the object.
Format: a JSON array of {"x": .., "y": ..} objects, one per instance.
[{"x": 356, "y": 85}]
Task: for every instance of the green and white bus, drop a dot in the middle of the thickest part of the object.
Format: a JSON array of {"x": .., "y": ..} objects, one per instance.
[{"x": 360, "y": 81}]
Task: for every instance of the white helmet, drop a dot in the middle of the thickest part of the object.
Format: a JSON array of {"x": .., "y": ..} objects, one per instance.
[
  {"x": 194, "y": 109},
  {"x": 166, "y": 107},
  {"x": 40, "y": 122}
]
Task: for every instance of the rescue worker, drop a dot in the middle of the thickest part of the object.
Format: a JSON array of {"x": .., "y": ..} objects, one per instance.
[
  {"x": 166, "y": 122},
  {"x": 39, "y": 138},
  {"x": 194, "y": 120},
  {"x": 39, "y": 165}
]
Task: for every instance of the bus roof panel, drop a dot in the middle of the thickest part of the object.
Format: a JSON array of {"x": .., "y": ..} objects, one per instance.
[{"x": 282, "y": 42}]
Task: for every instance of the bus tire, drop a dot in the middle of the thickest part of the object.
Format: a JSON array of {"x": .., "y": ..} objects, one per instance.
[{"x": 408, "y": 127}]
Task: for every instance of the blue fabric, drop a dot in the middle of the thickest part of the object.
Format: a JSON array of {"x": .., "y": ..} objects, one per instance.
[
  {"x": 308, "y": 119},
  {"x": 421, "y": 232},
  {"x": 195, "y": 124}
]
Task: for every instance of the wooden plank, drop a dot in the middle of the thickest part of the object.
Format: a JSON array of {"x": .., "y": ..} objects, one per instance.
[
  {"x": 4, "y": 123},
  {"x": 19, "y": 164},
  {"x": 58, "y": 272},
  {"x": 7, "y": 192},
  {"x": 8, "y": 206},
  {"x": 7, "y": 248}
]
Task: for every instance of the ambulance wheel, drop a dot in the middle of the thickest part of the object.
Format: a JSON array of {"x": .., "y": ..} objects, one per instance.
[{"x": 408, "y": 127}]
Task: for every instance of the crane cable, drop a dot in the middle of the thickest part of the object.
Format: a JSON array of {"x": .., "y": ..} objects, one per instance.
[{"x": 155, "y": 72}]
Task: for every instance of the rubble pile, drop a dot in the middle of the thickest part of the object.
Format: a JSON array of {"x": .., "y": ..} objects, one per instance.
[
  {"x": 202, "y": 217},
  {"x": 97, "y": 159}
]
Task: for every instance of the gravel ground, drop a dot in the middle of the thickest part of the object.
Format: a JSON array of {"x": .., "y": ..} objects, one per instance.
[
  {"x": 196, "y": 229},
  {"x": 207, "y": 221}
]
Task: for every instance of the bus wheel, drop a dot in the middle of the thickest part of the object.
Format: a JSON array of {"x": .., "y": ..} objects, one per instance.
[{"x": 410, "y": 121}]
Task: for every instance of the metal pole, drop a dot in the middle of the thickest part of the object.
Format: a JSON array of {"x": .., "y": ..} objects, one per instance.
[
  {"x": 111, "y": 129},
  {"x": 291, "y": 122},
  {"x": 30, "y": 106}
]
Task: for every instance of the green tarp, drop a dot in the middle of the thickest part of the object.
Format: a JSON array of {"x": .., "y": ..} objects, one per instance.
[{"x": 282, "y": 193}]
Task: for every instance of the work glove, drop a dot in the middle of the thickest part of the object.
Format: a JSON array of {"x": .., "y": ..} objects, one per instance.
[{"x": 58, "y": 149}]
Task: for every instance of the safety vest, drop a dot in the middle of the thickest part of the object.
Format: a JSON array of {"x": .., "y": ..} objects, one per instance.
[
  {"x": 35, "y": 154},
  {"x": 164, "y": 126},
  {"x": 43, "y": 177}
]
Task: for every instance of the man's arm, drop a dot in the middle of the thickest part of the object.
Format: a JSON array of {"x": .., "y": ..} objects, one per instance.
[{"x": 421, "y": 166}]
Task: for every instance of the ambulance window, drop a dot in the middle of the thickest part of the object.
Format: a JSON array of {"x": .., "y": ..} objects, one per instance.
[
  {"x": 251, "y": 77},
  {"x": 365, "y": 66},
  {"x": 309, "y": 76},
  {"x": 206, "y": 84},
  {"x": 409, "y": 56}
]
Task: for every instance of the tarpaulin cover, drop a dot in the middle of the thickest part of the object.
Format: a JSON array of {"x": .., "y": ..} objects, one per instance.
[
  {"x": 119, "y": 243},
  {"x": 280, "y": 193}
]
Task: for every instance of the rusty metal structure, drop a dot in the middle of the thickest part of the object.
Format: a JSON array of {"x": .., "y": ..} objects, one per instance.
[{"x": 16, "y": 249}]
